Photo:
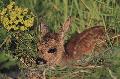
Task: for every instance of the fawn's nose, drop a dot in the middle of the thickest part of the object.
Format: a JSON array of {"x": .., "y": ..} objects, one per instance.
[
  {"x": 52, "y": 50},
  {"x": 40, "y": 61}
]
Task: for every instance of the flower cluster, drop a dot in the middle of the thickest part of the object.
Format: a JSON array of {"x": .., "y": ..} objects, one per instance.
[{"x": 14, "y": 17}]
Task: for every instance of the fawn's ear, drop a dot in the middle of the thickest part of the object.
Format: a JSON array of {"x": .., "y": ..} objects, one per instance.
[
  {"x": 65, "y": 27},
  {"x": 43, "y": 28}
]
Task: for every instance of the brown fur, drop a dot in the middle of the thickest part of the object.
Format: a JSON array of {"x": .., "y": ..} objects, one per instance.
[
  {"x": 83, "y": 43},
  {"x": 51, "y": 45}
]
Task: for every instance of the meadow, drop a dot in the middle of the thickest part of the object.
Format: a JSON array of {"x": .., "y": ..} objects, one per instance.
[{"x": 16, "y": 45}]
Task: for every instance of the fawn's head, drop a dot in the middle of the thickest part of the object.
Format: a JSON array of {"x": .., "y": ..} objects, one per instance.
[{"x": 51, "y": 45}]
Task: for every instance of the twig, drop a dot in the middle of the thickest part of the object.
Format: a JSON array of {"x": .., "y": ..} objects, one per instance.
[
  {"x": 69, "y": 74},
  {"x": 85, "y": 5},
  {"x": 111, "y": 74},
  {"x": 44, "y": 73},
  {"x": 88, "y": 67},
  {"x": 110, "y": 38},
  {"x": 5, "y": 40}
]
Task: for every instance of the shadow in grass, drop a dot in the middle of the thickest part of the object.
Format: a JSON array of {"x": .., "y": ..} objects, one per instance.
[{"x": 12, "y": 71}]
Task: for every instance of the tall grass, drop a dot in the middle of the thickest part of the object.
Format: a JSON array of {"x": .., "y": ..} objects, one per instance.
[{"x": 85, "y": 14}]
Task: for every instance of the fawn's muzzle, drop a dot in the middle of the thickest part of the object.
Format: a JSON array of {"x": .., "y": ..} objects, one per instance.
[{"x": 40, "y": 61}]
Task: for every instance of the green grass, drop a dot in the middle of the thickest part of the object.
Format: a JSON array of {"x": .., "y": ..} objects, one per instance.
[{"x": 85, "y": 14}]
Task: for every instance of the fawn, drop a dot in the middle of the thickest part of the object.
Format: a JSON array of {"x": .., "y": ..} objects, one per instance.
[{"x": 54, "y": 51}]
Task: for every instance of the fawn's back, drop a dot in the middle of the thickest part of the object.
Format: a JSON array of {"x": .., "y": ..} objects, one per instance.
[{"x": 85, "y": 42}]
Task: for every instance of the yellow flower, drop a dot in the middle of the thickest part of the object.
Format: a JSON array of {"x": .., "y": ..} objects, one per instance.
[
  {"x": 8, "y": 27},
  {"x": 16, "y": 22},
  {"x": 5, "y": 20},
  {"x": 10, "y": 6},
  {"x": 19, "y": 11},
  {"x": 14, "y": 27},
  {"x": 3, "y": 11},
  {"x": 25, "y": 11},
  {"x": 17, "y": 18},
  {"x": 23, "y": 28}
]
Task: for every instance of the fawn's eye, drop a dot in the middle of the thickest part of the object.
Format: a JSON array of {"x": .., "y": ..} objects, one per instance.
[{"x": 52, "y": 50}]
